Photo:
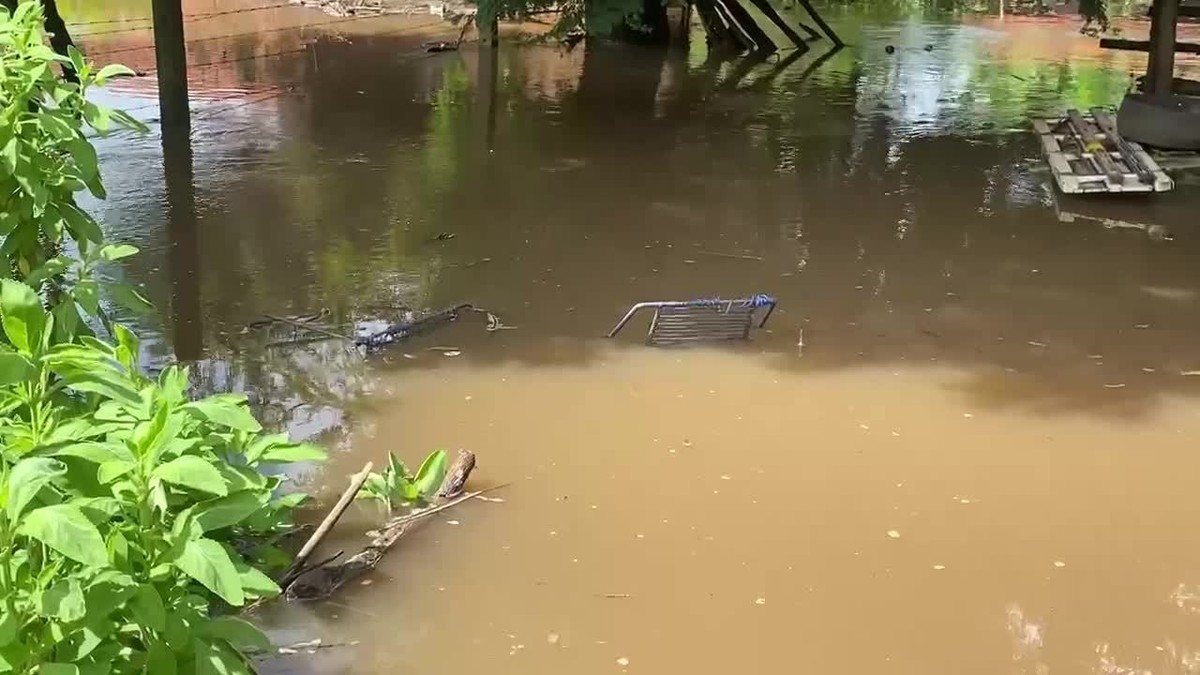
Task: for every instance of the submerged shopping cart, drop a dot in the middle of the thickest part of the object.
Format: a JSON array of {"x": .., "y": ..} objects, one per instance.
[{"x": 706, "y": 319}]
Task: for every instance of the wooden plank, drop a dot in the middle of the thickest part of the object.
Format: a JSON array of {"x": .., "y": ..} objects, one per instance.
[
  {"x": 1187, "y": 9},
  {"x": 1128, "y": 152},
  {"x": 1094, "y": 147},
  {"x": 1144, "y": 45}
]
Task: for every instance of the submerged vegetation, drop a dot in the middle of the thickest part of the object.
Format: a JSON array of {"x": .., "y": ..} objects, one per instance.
[{"x": 134, "y": 520}]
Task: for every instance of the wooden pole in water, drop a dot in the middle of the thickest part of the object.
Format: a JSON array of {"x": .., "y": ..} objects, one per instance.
[
  {"x": 356, "y": 483},
  {"x": 183, "y": 256},
  {"x": 739, "y": 15},
  {"x": 487, "y": 20},
  {"x": 170, "y": 57},
  {"x": 1160, "y": 70},
  {"x": 833, "y": 37}
]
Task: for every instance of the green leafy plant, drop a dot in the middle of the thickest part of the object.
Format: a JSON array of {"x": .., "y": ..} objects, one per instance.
[
  {"x": 397, "y": 486},
  {"x": 45, "y": 159},
  {"x": 133, "y": 520},
  {"x": 128, "y": 509}
]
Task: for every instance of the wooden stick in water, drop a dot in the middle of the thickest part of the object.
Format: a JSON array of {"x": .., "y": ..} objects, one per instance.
[{"x": 326, "y": 525}]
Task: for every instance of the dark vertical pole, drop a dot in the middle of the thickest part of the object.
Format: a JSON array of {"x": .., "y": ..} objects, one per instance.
[
  {"x": 1160, "y": 71},
  {"x": 489, "y": 69},
  {"x": 60, "y": 38},
  {"x": 184, "y": 254},
  {"x": 488, "y": 17},
  {"x": 170, "y": 55}
]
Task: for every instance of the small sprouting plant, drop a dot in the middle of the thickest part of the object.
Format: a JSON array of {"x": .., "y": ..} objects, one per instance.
[{"x": 397, "y": 486}]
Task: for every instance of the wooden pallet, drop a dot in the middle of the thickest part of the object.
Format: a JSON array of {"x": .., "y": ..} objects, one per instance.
[{"x": 1087, "y": 155}]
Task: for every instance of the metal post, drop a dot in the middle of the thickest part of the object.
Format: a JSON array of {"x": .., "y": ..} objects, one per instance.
[
  {"x": 1160, "y": 70},
  {"x": 170, "y": 55}
]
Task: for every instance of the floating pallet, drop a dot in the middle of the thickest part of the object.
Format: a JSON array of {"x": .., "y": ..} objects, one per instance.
[{"x": 1087, "y": 155}]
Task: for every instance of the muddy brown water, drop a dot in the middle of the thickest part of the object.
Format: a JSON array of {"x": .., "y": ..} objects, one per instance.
[{"x": 965, "y": 442}]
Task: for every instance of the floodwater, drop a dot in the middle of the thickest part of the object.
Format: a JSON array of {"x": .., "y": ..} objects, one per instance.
[{"x": 966, "y": 441}]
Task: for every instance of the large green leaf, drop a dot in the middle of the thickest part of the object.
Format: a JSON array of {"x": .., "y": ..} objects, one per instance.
[
  {"x": 8, "y": 628},
  {"x": 192, "y": 472},
  {"x": 63, "y": 601},
  {"x": 110, "y": 471},
  {"x": 22, "y": 315},
  {"x": 207, "y": 562},
  {"x": 28, "y": 477},
  {"x": 95, "y": 452},
  {"x": 160, "y": 660},
  {"x": 15, "y": 368},
  {"x": 226, "y": 410},
  {"x": 215, "y": 658},
  {"x": 254, "y": 583},
  {"x": 87, "y": 369},
  {"x": 231, "y": 509},
  {"x": 237, "y": 632},
  {"x": 148, "y": 608},
  {"x": 64, "y": 528},
  {"x": 429, "y": 476}
]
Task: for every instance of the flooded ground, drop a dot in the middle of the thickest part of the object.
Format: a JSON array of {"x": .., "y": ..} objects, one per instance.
[{"x": 964, "y": 443}]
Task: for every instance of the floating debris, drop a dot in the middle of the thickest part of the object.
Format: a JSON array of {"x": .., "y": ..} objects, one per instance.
[
  {"x": 1189, "y": 373},
  {"x": 623, "y": 662},
  {"x": 614, "y": 596},
  {"x": 453, "y": 352},
  {"x": 760, "y": 601},
  {"x": 452, "y": 522},
  {"x": 1142, "y": 326},
  {"x": 1059, "y": 564},
  {"x": 893, "y": 534},
  {"x": 1119, "y": 385},
  {"x": 1035, "y": 343},
  {"x": 552, "y": 638},
  {"x": 939, "y": 567}
]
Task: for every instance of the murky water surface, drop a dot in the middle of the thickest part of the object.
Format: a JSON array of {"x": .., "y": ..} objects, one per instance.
[{"x": 965, "y": 442}]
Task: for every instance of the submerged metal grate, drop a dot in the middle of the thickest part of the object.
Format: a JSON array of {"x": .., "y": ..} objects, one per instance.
[{"x": 707, "y": 319}]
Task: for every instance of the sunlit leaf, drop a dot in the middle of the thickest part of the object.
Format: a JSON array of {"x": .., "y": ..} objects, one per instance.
[
  {"x": 226, "y": 410},
  {"x": 192, "y": 472},
  {"x": 430, "y": 475},
  {"x": 237, "y": 632},
  {"x": 113, "y": 70},
  {"x": 65, "y": 529},
  {"x": 113, "y": 252},
  {"x": 207, "y": 562},
  {"x": 26, "y": 479},
  {"x": 231, "y": 509},
  {"x": 63, "y": 601},
  {"x": 22, "y": 315},
  {"x": 15, "y": 368},
  {"x": 148, "y": 607}
]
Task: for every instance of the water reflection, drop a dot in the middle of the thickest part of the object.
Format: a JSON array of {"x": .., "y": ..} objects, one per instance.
[{"x": 892, "y": 204}]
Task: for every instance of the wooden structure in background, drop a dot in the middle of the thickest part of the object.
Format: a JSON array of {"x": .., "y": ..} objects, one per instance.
[
  {"x": 1162, "y": 47},
  {"x": 729, "y": 24}
]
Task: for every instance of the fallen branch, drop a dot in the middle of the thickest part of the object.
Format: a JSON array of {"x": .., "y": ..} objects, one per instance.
[
  {"x": 326, "y": 525},
  {"x": 325, "y": 581}
]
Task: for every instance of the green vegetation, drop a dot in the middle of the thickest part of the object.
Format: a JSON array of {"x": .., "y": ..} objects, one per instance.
[
  {"x": 133, "y": 519},
  {"x": 398, "y": 486}
]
